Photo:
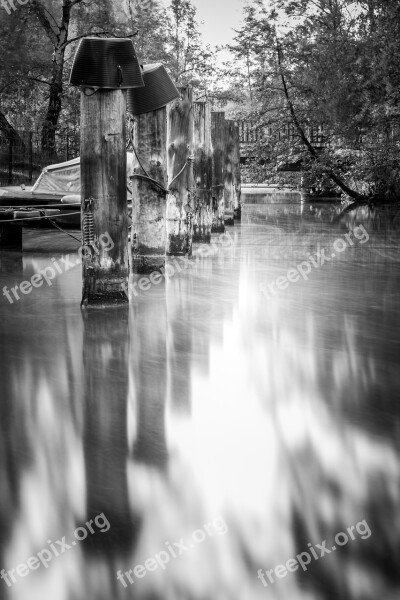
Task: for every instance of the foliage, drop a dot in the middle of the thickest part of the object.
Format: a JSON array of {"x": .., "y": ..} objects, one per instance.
[
  {"x": 38, "y": 42},
  {"x": 327, "y": 64}
]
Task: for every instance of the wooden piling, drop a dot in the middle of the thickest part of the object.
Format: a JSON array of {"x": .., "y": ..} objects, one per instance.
[
  {"x": 229, "y": 193},
  {"x": 104, "y": 197},
  {"x": 10, "y": 231},
  {"x": 218, "y": 182},
  {"x": 148, "y": 234},
  {"x": 237, "y": 177},
  {"x": 202, "y": 167},
  {"x": 180, "y": 203}
]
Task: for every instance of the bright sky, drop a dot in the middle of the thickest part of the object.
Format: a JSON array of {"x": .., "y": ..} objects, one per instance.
[{"x": 219, "y": 17}]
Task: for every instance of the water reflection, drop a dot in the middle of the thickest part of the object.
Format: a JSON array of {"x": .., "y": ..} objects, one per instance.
[
  {"x": 148, "y": 363},
  {"x": 180, "y": 349},
  {"x": 106, "y": 379},
  {"x": 207, "y": 399}
]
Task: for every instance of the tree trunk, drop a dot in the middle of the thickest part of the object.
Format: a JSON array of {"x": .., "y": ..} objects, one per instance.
[
  {"x": 58, "y": 36},
  {"x": 53, "y": 113},
  {"x": 8, "y": 129},
  {"x": 314, "y": 155}
]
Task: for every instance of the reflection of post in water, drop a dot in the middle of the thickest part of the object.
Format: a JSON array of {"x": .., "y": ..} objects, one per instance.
[
  {"x": 15, "y": 451},
  {"x": 11, "y": 264},
  {"x": 16, "y": 424},
  {"x": 180, "y": 346},
  {"x": 148, "y": 360},
  {"x": 105, "y": 358}
]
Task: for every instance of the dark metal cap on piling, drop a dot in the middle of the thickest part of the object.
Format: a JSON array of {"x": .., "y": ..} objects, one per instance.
[
  {"x": 108, "y": 63},
  {"x": 159, "y": 90}
]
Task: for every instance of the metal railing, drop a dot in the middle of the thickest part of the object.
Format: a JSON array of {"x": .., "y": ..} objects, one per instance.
[{"x": 251, "y": 133}]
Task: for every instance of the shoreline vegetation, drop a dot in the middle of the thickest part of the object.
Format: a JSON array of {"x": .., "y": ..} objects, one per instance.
[
  {"x": 320, "y": 85},
  {"x": 317, "y": 82}
]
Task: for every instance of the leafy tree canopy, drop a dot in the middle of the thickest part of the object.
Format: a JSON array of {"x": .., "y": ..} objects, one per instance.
[
  {"x": 39, "y": 39},
  {"x": 327, "y": 66}
]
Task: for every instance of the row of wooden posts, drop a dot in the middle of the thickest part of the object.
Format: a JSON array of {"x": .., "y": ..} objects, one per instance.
[{"x": 186, "y": 185}]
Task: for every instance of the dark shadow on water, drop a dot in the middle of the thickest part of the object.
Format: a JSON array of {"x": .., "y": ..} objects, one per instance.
[{"x": 106, "y": 383}]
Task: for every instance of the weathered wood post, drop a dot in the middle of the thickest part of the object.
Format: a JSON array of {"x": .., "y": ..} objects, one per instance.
[
  {"x": 104, "y": 197},
  {"x": 217, "y": 137},
  {"x": 104, "y": 68},
  {"x": 180, "y": 204},
  {"x": 237, "y": 176},
  {"x": 228, "y": 181},
  {"x": 202, "y": 167},
  {"x": 148, "y": 235}
]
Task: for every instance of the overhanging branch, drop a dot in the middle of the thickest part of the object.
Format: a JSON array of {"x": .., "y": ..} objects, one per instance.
[
  {"x": 40, "y": 12},
  {"x": 314, "y": 155}
]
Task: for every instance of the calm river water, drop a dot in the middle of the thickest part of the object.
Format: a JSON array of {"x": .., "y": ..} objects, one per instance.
[{"x": 218, "y": 427}]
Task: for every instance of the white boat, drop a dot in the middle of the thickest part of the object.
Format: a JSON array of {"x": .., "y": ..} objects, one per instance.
[
  {"x": 64, "y": 179},
  {"x": 60, "y": 182}
]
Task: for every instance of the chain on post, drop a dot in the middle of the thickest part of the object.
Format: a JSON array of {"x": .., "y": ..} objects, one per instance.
[{"x": 88, "y": 222}]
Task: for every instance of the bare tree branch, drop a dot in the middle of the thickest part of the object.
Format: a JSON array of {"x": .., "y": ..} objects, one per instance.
[
  {"x": 79, "y": 37},
  {"x": 40, "y": 12},
  {"x": 39, "y": 80}
]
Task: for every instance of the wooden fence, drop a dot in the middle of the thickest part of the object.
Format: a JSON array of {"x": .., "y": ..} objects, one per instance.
[{"x": 251, "y": 133}]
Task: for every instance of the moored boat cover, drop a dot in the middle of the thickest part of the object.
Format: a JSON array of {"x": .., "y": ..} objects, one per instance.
[{"x": 65, "y": 178}]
